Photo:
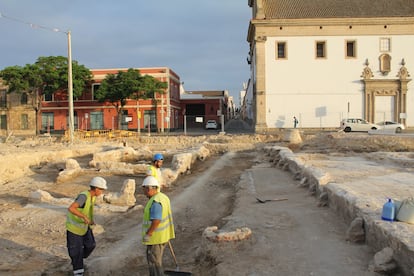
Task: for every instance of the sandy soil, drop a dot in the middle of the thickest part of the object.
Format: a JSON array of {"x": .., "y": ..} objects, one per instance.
[{"x": 291, "y": 237}]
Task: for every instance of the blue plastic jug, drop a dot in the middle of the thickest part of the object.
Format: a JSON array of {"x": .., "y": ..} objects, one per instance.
[{"x": 388, "y": 211}]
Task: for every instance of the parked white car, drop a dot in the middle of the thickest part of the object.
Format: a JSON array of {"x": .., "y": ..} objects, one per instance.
[
  {"x": 397, "y": 127},
  {"x": 356, "y": 124},
  {"x": 211, "y": 124}
]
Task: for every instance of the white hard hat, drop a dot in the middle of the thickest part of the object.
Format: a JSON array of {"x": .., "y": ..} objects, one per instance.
[
  {"x": 150, "y": 181},
  {"x": 98, "y": 182}
]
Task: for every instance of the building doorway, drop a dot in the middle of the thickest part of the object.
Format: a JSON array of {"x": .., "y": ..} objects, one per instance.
[
  {"x": 96, "y": 120},
  {"x": 384, "y": 109}
]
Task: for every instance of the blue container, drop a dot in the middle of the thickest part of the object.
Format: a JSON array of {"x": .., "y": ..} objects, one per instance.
[{"x": 388, "y": 211}]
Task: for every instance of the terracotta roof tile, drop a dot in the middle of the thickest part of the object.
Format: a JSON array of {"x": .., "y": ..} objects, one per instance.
[{"x": 289, "y": 9}]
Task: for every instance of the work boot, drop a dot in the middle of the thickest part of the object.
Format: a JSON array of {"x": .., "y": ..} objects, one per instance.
[{"x": 78, "y": 272}]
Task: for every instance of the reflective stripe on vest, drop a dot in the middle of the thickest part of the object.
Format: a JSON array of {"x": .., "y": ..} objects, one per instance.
[
  {"x": 74, "y": 223},
  {"x": 165, "y": 230}
]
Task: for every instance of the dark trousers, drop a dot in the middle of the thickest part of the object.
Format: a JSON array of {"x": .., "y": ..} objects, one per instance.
[
  {"x": 80, "y": 247},
  {"x": 154, "y": 258}
]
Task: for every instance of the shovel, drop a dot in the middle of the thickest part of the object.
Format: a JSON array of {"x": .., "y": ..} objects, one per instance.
[
  {"x": 177, "y": 269},
  {"x": 267, "y": 200}
]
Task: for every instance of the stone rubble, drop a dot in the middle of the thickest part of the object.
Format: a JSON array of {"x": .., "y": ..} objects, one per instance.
[
  {"x": 384, "y": 262},
  {"x": 126, "y": 197},
  {"x": 212, "y": 233},
  {"x": 356, "y": 233}
]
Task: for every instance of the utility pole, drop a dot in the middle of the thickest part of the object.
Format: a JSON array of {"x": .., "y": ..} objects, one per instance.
[
  {"x": 70, "y": 90},
  {"x": 138, "y": 119}
]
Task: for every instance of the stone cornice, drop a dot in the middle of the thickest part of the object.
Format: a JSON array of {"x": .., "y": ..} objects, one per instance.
[
  {"x": 384, "y": 81},
  {"x": 334, "y": 21},
  {"x": 331, "y": 27}
]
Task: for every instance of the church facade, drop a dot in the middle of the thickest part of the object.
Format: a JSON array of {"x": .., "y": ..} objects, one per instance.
[{"x": 323, "y": 61}]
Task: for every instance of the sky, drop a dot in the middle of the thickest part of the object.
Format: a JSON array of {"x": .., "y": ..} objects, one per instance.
[{"x": 204, "y": 42}]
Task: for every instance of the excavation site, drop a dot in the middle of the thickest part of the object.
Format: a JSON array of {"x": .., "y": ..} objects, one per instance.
[{"x": 290, "y": 203}]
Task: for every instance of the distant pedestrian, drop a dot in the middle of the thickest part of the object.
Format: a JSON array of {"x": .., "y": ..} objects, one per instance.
[
  {"x": 79, "y": 235},
  {"x": 295, "y": 122}
]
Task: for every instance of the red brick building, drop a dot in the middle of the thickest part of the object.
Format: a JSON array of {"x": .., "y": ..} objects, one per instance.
[
  {"x": 201, "y": 106},
  {"x": 159, "y": 113},
  {"x": 165, "y": 112}
]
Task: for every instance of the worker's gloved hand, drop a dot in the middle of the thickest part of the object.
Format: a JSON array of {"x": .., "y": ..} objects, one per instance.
[{"x": 146, "y": 238}]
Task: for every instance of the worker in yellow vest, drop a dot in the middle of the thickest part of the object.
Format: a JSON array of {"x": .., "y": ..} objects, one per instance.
[
  {"x": 155, "y": 168},
  {"x": 79, "y": 219},
  {"x": 157, "y": 225}
]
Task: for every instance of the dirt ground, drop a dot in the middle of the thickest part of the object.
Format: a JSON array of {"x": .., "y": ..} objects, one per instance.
[{"x": 291, "y": 237}]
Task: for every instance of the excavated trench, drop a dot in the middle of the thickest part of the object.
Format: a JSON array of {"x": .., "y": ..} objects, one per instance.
[{"x": 200, "y": 198}]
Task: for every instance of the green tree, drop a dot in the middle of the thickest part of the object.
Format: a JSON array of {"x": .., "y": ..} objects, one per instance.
[
  {"x": 45, "y": 77},
  {"x": 54, "y": 74},
  {"x": 150, "y": 88},
  {"x": 118, "y": 88}
]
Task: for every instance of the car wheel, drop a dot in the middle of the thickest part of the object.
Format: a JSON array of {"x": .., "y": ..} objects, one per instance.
[
  {"x": 398, "y": 130},
  {"x": 374, "y": 128},
  {"x": 347, "y": 129}
]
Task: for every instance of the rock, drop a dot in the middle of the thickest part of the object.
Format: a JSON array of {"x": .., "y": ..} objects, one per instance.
[
  {"x": 72, "y": 169},
  {"x": 293, "y": 136},
  {"x": 203, "y": 153},
  {"x": 182, "y": 162},
  {"x": 355, "y": 232},
  {"x": 169, "y": 176},
  {"x": 383, "y": 261},
  {"x": 39, "y": 196},
  {"x": 72, "y": 164},
  {"x": 213, "y": 234},
  {"x": 97, "y": 229},
  {"x": 125, "y": 197},
  {"x": 119, "y": 154},
  {"x": 323, "y": 199},
  {"x": 304, "y": 182}
]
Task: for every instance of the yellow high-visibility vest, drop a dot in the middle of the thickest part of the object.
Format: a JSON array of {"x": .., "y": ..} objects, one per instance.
[
  {"x": 74, "y": 223},
  {"x": 165, "y": 230},
  {"x": 155, "y": 172}
]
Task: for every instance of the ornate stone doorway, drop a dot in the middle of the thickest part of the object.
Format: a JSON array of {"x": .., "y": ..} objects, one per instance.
[{"x": 396, "y": 88}]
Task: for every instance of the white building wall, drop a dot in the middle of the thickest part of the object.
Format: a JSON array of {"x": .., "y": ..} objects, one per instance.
[{"x": 320, "y": 92}]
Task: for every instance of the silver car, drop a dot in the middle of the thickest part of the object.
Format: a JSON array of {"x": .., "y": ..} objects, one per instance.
[
  {"x": 211, "y": 124},
  {"x": 397, "y": 127}
]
